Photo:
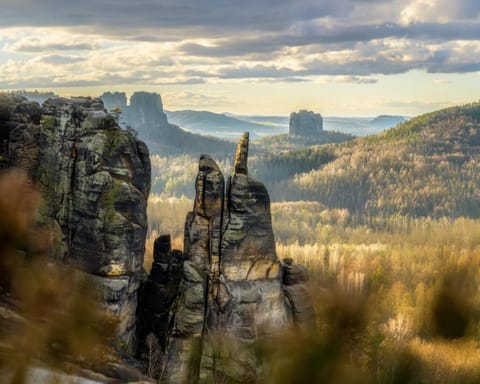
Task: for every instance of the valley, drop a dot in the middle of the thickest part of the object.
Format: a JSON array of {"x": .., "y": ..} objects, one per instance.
[{"x": 240, "y": 192}]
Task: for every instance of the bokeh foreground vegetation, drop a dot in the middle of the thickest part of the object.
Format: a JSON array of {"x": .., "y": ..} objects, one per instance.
[
  {"x": 49, "y": 316},
  {"x": 397, "y": 301}
]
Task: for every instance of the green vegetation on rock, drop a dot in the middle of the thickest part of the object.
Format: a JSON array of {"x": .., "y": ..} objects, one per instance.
[{"x": 48, "y": 122}]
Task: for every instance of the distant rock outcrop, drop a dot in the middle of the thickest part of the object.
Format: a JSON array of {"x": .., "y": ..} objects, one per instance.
[
  {"x": 232, "y": 292},
  {"x": 306, "y": 123},
  {"x": 145, "y": 114},
  {"x": 95, "y": 179}
]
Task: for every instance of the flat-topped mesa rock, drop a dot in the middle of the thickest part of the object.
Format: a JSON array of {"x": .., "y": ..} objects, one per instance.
[
  {"x": 95, "y": 180},
  {"x": 232, "y": 294},
  {"x": 305, "y": 124}
]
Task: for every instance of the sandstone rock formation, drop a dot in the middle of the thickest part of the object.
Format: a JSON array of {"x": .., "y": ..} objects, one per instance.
[
  {"x": 209, "y": 306},
  {"x": 145, "y": 114},
  {"x": 231, "y": 295},
  {"x": 95, "y": 180},
  {"x": 295, "y": 278},
  {"x": 305, "y": 123},
  {"x": 159, "y": 291}
]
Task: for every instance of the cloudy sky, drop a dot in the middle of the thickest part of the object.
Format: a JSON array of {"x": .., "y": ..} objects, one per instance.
[{"x": 337, "y": 57}]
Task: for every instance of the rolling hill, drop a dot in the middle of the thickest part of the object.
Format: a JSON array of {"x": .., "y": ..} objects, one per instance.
[
  {"x": 220, "y": 125},
  {"x": 231, "y": 126},
  {"x": 427, "y": 166}
]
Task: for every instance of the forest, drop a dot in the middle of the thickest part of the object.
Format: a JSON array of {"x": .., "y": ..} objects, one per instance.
[{"x": 387, "y": 226}]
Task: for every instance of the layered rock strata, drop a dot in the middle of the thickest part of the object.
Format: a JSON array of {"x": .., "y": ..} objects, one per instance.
[
  {"x": 232, "y": 295},
  {"x": 95, "y": 180}
]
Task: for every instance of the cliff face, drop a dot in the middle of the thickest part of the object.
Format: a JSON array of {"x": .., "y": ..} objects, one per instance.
[
  {"x": 231, "y": 295},
  {"x": 95, "y": 180},
  {"x": 305, "y": 123}
]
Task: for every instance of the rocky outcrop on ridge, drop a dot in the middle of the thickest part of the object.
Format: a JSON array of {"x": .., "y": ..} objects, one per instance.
[
  {"x": 95, "y": 181},
  {"x": 145, "y": 114},
  {"x": 231, "y": 295},
  {"x": 305, "y": 123}
]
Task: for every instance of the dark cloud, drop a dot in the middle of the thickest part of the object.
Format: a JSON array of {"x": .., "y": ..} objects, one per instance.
[
  {"x": 258, "y": 71},
  {"x": 296, "y": 80},
  {"x": 191, "y": 81},
  {"x": 36, "y": 45},
  {"x": 468, "y": 9},
  {"x": 454, "y": 67},
  {"x": 258, "y": 34},
  {"x": 356, "y": 80},
  {"x": 337, "y": 35},
  {"x": 215, "y": 15}
]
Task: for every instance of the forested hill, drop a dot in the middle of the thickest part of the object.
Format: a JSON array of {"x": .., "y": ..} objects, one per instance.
[{"x": 428, "y": 166}]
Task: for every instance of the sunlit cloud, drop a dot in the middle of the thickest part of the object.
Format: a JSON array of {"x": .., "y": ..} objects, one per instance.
[{"x": 102, "y": 43}]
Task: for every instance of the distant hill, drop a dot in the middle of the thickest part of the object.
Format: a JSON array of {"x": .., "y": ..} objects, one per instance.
[
  {"x": 280, "y": 121},
  {"x": 357, "y": 126},
  {"x": 218, "y": 124},
  {"x": 427, "y": 166},
  {"x": 268, "y": 135},
  {"x": 286, "y": 142},
  {"x": 386, "y": 121}
]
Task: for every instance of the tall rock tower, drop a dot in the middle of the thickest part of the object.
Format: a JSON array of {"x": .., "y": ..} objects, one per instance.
[{"x": 232, "y": 294}]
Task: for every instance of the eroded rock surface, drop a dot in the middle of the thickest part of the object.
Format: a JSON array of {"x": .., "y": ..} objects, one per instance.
[
  {"x": 95, "y": 180},
  {"x": 232, "y": 294}
]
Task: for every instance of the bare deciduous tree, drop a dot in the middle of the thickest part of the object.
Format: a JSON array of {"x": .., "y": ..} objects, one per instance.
[{"x": 154, "y": 355}]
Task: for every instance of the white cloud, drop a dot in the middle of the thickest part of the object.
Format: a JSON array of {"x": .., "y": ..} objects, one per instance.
[
  {"x": 174, "y": 43},
  {"x": 420, "y": 11},
  {"x": 52, "y": 42}
]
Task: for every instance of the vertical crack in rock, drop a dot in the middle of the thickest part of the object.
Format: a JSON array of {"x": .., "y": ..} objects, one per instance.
[
  {"x": 232, "y": 294},
  {"x": 158, "y": 293}
]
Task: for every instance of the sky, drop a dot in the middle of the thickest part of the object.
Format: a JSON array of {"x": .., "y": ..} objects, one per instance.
[{"x": 336, "y": 57}]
